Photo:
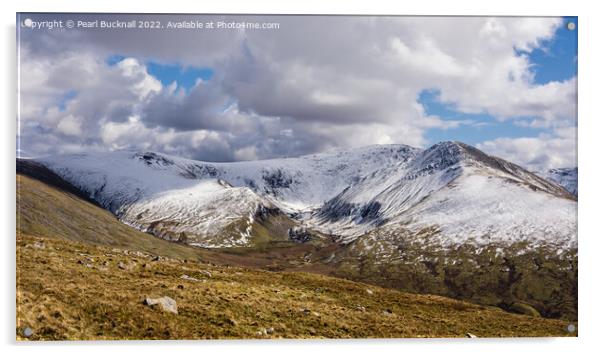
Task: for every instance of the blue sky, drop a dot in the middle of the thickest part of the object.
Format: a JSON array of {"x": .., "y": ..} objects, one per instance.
[
  {"x": 68, "y": 96},
  {"x": 184, "y": 76},
  {"x": 556, "y": 60},
  {"x": 474, "y": 128}
]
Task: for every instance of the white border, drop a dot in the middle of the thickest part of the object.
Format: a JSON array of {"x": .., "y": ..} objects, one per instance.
[{"x": 590, "y": 246}]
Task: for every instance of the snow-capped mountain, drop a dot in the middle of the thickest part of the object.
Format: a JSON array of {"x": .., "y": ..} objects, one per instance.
[
  {"x": 566, "y": 177},
  {"x": 215, "y": 204},
  {"x": 153, "y": 193},
  {"x": 458, "y": 193},
  {"x": 454, "y": 190}
]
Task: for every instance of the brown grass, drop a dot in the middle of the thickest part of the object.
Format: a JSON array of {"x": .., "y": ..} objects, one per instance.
[{"x": 68, "y": 290}]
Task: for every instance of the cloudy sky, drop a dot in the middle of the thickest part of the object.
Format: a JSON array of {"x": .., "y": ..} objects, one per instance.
[{"x": 505, "y": 85}]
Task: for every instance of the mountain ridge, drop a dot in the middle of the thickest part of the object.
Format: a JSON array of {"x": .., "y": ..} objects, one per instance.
[
  {"x": 344, "y": 193},
  {"x": 439, "y": 175}
]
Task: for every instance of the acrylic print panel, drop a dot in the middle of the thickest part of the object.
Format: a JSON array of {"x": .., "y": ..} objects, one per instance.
[{"x": 264, "y": 177}]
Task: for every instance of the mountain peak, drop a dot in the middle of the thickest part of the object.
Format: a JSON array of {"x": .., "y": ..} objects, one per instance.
[
  {"x": 442, "y": 155},
  {"x": 152, "y": 158}
]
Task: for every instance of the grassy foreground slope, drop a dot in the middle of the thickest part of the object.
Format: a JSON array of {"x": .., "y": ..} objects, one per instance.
[{"x": 69, "y": 290}]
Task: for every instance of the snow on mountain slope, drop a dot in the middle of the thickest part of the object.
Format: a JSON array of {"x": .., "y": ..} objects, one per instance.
[
  {"x": 566, "y": 177},
  {"x": 194, "y": 201},
  {"x": 452, "y": 189},
  {"x": 199, "y": 215},
  {"x": 293, "y": 184},
  {"x": 305, "y": 183},
  {"x": 482, "y": 208},
  {"x": 159, "y": 196},
  {"x": 457, "y": 192}
]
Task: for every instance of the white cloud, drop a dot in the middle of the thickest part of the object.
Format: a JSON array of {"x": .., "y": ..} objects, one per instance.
[
  {"x": 145, "y": 84},
  {"x": 537, "y": 154},
  {"x": 69, "y": 98},
  {"x": 70, "y": 125},
  {"x": 246, "y": 153},
  {"x": 317, "y": 83}
]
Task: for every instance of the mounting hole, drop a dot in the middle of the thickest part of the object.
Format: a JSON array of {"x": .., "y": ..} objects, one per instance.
[{"x": 571, "y": 328}]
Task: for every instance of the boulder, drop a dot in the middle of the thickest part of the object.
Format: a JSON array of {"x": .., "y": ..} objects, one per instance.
[
  {"x": 125, "y": 266},
  {"x": 306, "y": 311},
  {"x": 165, "y": 303},
  {"x": 187, "y": 277}
]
